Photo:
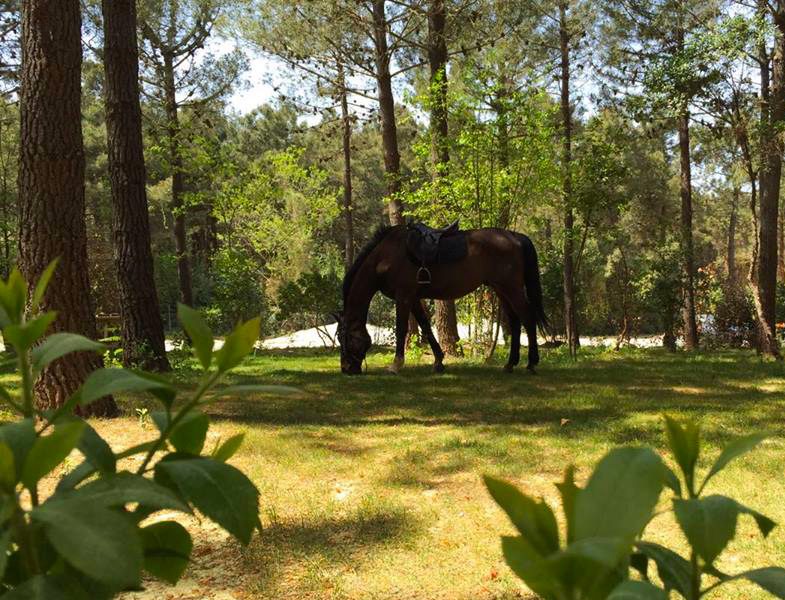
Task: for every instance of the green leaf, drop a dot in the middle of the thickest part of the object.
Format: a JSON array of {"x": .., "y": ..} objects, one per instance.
[
  {"x": 674, "y": 570},
  {"x": 20, "y": 437},
  {"x": 228, "y": 449},
  {"x": 105, "y": 382},
  {"x": 527, "y": 564},
  {"x": 534, "y": 520},
  {"x": 709, "y": 523},
  {"x": 189, "y": 434},
  {"x": 43, "y": 283},
  {"x": 58, "y": 345},
  {"x": 671, "y": 480},
  {"x": 97, "y": 451},
  {"x": 24, "y": 335},
  {"x": 199, "y": 332},
  {"x": 238, "y": 344},
  {"x": 49, "y": 451},
  {"x": 685, "y": 445},
  {"x": 637, "y": 590},
  {"x": 120, "y": 489},
  {"x": 13, "y": 296},
  {"x": 735, "y": 449},
  {"x": 47, "y": 587},
  {"x": 569, "y": 492},
  {"x": 167, "y": 550},
  {"x": 7, "y": 468},
  {"x": 101, "y": 543},
  {"x": 771, "y": 579},
  {"x": 5, "y": 547},
  {"x": 219, "y": 491},
  {"x": 620, "y": 495},
  {"x": 765, "y": 525}
]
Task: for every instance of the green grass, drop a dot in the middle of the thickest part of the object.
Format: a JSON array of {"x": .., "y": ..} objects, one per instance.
[{"x": 371, "y": 485}]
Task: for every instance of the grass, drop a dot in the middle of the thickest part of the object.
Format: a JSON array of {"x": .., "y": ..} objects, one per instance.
[{"x": 371, "y": 485}]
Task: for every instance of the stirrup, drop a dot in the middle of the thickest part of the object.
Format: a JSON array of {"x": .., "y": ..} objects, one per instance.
[{"x": 423, "y": 275}]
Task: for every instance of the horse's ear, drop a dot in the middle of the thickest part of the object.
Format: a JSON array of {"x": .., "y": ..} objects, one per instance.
[{"x": 337, "y": 315}]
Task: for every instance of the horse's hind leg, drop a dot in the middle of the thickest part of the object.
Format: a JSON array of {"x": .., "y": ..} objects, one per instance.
[{"x": 425, "y": 325}]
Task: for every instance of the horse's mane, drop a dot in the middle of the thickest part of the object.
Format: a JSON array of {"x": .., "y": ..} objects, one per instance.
[{"x": 348, "y": 279}]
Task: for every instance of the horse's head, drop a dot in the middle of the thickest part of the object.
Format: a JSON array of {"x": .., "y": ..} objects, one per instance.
[{"x": 354, "y": 342}]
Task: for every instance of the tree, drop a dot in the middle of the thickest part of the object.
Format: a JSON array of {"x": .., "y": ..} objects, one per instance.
[
  {"x": 51, "y": 187},
  {"x": 142, "y": 328},
  {"x": 174, "y": 32}
]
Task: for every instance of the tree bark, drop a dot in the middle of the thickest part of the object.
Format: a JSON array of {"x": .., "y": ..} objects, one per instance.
[
  {"x": 142, "y": 328},
  {"x": 392, "y": 157},
  {"x": 346, "y": 120},
  {"x": 570, "y": 317},
  {"x": 52, "y": 188},
  {"x": 178, "y": 182},
  {"x": 444, "y": 314},
  {"x": 772, "y": 116},
  {"x": 687, "y": 249},
  {"x": 730, "y": 256}
]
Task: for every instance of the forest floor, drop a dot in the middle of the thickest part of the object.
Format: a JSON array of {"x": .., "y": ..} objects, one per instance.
[{"x": 371, "y": 486}]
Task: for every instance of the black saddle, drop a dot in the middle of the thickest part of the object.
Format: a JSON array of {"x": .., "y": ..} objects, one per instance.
[{"x": 428, "y": 246}]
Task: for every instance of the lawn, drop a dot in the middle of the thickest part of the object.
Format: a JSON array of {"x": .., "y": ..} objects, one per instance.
[{"x": 371, "y": 485}]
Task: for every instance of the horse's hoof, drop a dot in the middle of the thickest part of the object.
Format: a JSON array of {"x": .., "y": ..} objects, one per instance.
[
  {"x": 508, "y": 368},
  {"x": 531, "y": 369},
  {"x": 396, "y": 366},
  {"x": 438, "y": 368}
]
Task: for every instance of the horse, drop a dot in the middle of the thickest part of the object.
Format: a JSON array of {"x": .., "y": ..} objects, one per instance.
[{"x": 504, "y": 260}]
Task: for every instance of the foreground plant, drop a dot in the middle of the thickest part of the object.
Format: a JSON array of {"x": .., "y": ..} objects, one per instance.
[
  {"x": 91, "y": 537},
  {"x": 602, "y": 545}
]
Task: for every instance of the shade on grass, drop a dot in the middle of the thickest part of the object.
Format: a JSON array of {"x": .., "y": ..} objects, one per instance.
[{"x": 371, "y": 485}]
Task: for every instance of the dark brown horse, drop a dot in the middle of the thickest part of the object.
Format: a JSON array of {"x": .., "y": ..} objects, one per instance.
[{"x": 504, "y": 260}]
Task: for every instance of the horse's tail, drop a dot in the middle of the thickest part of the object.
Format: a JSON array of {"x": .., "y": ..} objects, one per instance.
[{"x": 531, "y": 279}]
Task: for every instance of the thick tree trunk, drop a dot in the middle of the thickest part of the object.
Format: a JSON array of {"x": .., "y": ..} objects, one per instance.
[
  {"x": 346, "y": 119},
  {"x": 178, "y": 183},
  {"x": 444, "y": 314},
  {"x": 392, "y": 158},
  {"x": 570, "y": 316},
  {"x": 51, "y": 187},
  {"x": 142, "y": 328},
  {"x": 772, "y": 116},
  {"x": 687, "y": 249}
]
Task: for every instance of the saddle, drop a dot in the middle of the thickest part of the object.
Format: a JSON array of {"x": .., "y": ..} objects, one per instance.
[{"x": 428, "y": 246}]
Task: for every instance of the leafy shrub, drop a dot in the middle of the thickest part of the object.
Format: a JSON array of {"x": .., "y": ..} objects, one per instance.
[
  {"x": 308, "y": 302},
  {"x": 90, "y": 538},
  {"x": 236, "y": 292},
  {"x": 605, "y": 521},
  {"x": 733, "y": 324}
]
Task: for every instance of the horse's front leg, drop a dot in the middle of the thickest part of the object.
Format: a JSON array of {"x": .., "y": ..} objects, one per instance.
[
  {"x": 403, "y": 307},
  {"x": 425, "y": 325}
]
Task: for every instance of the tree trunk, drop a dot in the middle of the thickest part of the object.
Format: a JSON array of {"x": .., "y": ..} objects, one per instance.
[
  {"x": 142, "y": 328},
  {"x": 444, "y": 314},
  {"x": 346, "y": 119},
  {"x": 730, "y": 256},
  {"x": 51, "y": 188},
  {"x": 687, "y": 249},
  {"x": 570, "y": 317},
  {"x": 772, "y": 116},
  {"x": 392, "y": 158},
  {"x": 178, "y": 182}
]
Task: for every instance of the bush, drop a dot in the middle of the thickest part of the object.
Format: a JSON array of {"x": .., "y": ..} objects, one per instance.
[
  {"x": 308, "y": 302},
  {"x": 90, "y": 538},
  {"x": 606, "y": 519},
  {"x": 237, "y": 292}
]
